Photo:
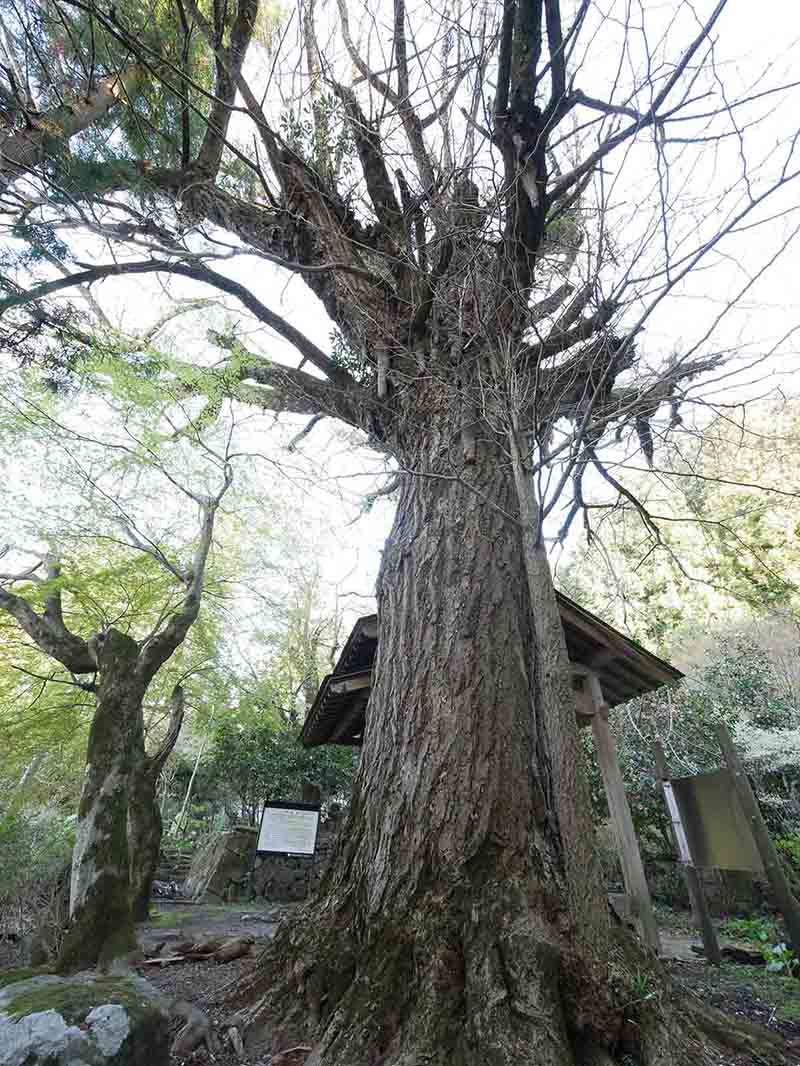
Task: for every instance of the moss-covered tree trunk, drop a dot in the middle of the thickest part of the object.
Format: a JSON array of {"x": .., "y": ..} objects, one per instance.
[
  {"x": 101, "y": 921},
  {"x": 145, "y": 827},
  {"x": 144, "y": 837}
]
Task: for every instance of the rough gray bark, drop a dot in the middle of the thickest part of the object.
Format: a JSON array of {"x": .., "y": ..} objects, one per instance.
[
  {"x": 144, "y": 839},
  {"x": 554, "y": 689},
  {"x": 462, "y": 920},
  {"x": 446, "y": 933}
]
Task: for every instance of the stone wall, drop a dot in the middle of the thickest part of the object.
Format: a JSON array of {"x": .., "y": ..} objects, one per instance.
[
  {"x": 218, "y": 864},
  {"x": 221, "y": 869}
]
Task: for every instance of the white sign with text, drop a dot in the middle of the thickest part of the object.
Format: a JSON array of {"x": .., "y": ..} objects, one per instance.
[{"x": 288, "y": 829}]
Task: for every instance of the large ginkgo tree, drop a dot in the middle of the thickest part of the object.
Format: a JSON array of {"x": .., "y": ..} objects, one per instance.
[{"x": 490, "y": 204}]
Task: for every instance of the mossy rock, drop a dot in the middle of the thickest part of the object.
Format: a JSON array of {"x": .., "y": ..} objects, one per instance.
[
  {"x": 55, "y": 1021},
  {"x": 21, "y": 973}
]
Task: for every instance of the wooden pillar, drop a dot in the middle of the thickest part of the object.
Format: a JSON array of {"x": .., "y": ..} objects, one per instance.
[
  {"x": 693, "y": 884},
  {"x": 630, "y": 857},
  {"x": 769, "y": 856}
]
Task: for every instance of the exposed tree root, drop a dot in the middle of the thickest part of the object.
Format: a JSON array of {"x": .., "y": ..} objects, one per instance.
[
  {"x": 196, "y": 1030},
  {"x": 219, "y": 950},
  {"x": 455, "y": 989}
]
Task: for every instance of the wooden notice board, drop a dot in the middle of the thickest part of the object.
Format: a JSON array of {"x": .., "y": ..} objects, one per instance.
[{"x": 717, "y": 829}]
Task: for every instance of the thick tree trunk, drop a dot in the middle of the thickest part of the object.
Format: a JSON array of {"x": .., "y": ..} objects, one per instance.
[
  {"x": 447, "y": 930},
  {"x": 101, "y": 923},
  {"x": 449, "y": 936},
  {"x": 145, "y": 825}
]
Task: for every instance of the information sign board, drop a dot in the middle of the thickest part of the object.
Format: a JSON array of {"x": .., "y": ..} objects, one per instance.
[
  {"x": 288, "y": 829},
  {"x": 715, "y": 824}
]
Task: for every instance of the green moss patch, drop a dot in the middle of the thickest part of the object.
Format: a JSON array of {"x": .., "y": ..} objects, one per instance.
[
  {"x": 172, "y": 917},
  {"x": 21, "y": 973},
  {"x": 73, "y": 999},
  {"x": 171, "y": 920},
  {"x": 778, "y": 990},
  {"x": 747, "y": 991}
]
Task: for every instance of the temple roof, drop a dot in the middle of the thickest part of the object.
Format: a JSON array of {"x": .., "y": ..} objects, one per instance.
[{"x": 624, "y": 667}]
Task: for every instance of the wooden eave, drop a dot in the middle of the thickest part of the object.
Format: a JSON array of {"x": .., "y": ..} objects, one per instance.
[{"x": 625, "y": 670}]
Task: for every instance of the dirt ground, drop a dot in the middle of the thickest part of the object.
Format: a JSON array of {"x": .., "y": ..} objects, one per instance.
[
  {"x": 747, "y": 992},
  {"x": 204, "y": 983}
]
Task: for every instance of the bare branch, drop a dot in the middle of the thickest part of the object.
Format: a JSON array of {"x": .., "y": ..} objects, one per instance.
[
  {"x": 197, "y": 272},
  {"x": 158, "y": 648},
  {"x": 54, "y": 640},
  {"x": 228, "y": 72}
]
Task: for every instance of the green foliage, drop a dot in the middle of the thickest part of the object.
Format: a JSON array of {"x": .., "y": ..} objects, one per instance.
[
  {"x": 342, "y": 355},
  {"x": 742, "y": 683},
  {"x": 789, "y": 848},
  {"x": 41, "y": 240},
  {"x": 759, "y": 930},
  {"x": 319, "y": 133},
  {"x": 151, "y": 119},
  {"x": 781, "y": 959},
  {"x": 728, "y": 547},
  {"x": 35, "y": 849},
  {"x": 263, "y": 761},
  {"x": 641, "y": 986}
]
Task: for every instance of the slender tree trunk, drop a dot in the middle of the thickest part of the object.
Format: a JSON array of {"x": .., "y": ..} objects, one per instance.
[
  {"x": 178, "y": 824},
  {"x": 145, "y": 830},
  {"x": 14, "y": 801},
  {"x": 101, "y": 923}
]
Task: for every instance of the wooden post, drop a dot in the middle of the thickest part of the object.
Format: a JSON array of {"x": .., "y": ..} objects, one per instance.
[
  {"x": 693, "y": 884},
  {"x": 632, "y": 868},
  {"x": 769, "y": 856}
]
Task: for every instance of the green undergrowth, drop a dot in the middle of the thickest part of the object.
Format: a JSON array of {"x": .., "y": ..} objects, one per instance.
[
  {"x": 781, "y": 991},
  {"x": 173, "y": 917},
  {"x": 673, "y": 921}
]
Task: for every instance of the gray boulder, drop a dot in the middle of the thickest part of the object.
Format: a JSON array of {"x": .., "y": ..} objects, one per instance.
[{"x": 83, "y": 1020}]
